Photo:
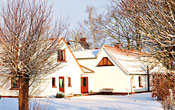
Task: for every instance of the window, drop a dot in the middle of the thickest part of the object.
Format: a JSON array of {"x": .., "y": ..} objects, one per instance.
[
  {"x": 14, "y": 83},
  {"x": 105, "y": 62},
  {"x": 53, "y": 83},
  {"x": 140, "y": 81},
  {"x": 61, "y": 55},
  {"x": 69, "y": 82}
]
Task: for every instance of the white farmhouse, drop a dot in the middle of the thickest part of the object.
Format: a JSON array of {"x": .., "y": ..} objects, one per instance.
[{"x": 110, "y": 69}]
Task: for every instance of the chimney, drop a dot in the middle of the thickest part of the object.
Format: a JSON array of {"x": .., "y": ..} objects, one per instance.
[
  {"x": 117, "y": 45},
  {"x": 83, "y": 41}
]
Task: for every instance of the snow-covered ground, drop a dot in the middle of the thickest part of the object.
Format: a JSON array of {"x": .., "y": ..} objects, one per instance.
[{"x": 141, "y": 101}]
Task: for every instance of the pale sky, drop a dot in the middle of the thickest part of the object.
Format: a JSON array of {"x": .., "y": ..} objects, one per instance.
[{"x": 75, "y": 9}]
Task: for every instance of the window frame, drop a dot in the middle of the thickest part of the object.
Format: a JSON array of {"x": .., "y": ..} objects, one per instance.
[
  {"x": 69, "y": 82},
  {"x": 54, "y": 82},
  {"x": 140, "y": 81},
  {"x": 17, "y": 84},
  {"x": 59, "y": 56},
  {"x": 105, "y": 62}
]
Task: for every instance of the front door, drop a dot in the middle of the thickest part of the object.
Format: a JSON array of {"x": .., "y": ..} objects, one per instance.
[
  {"x": 61, "y": 84},
  {"x": 84, "y": 85}
]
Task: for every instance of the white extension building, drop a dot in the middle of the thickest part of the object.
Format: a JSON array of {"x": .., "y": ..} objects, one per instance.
[{"x": 115, "y": 70}]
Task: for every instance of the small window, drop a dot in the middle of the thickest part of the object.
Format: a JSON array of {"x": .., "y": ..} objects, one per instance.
[
  {"x": 61, "y": 55},
  {"x": 69, "y": 82},
  {"x": 140, "y": 81},
  {"x": 53, "y": 83},
  {"x": 105, "y": 62},
  {"x": 14, "y": 83}
]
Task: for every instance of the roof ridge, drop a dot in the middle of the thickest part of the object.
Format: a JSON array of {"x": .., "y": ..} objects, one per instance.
[{"x": 126, "y": 51}]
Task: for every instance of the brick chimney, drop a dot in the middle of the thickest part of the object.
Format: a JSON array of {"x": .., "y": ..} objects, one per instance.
[{"x": 84, "y": 43}]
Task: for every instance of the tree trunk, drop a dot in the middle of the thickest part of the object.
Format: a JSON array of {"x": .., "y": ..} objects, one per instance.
[{"x": 23, "y": 93}]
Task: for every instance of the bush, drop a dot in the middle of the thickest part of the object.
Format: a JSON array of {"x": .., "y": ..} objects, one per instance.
[
  {"x": 162, "y": 84},
  {"x": 60, "y": 95}
]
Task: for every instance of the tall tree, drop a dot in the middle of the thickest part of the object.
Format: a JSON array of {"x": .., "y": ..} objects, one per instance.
[
  {"x": 156, "y": 22},
  {"x": 26, "y": 48}
]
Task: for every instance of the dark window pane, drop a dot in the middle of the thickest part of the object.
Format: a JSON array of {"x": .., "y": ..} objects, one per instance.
[
  {"x": 53, "y": 81},
  {"x": 84, "y": 81},
  {"x": 61, "y": 55},
  {"x": 140, "y": 81}
]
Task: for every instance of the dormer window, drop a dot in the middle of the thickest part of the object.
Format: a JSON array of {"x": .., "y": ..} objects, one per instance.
[
  {"x": 105, "y": 62},
  {"x": 61, "y": 55}
]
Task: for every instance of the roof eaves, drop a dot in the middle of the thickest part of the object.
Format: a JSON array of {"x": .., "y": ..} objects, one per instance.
[
  {"x": 86, "y": 58},
  {"x": 91, "y": 71}
]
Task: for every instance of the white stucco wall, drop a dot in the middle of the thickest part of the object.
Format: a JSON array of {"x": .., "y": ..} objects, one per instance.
[
  {"x": 5, "y": 89},
  {"x": 70, "y": 68}
]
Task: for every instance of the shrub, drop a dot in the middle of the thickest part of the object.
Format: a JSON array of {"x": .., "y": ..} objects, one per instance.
[
  {"x": 162, "y": 84},
  {"x": 60, "y": 95}
]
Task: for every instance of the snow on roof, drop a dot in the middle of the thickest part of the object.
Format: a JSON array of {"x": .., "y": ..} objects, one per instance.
[
  {"x": 86, "y": 54},
  {"x": 129, "y": 60}
]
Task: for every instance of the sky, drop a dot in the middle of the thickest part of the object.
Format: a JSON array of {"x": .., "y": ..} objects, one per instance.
[{"x": 75, "y": 9}]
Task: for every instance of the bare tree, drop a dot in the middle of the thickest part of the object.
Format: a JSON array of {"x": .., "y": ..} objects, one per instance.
[
  {"x": 120, "y": 28},
  {"x": 94, "y": 28},
  {"x": 156, "y": 24},
  {"x": 26, "y": 48},
  {"x": 74, "y": 37}
]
